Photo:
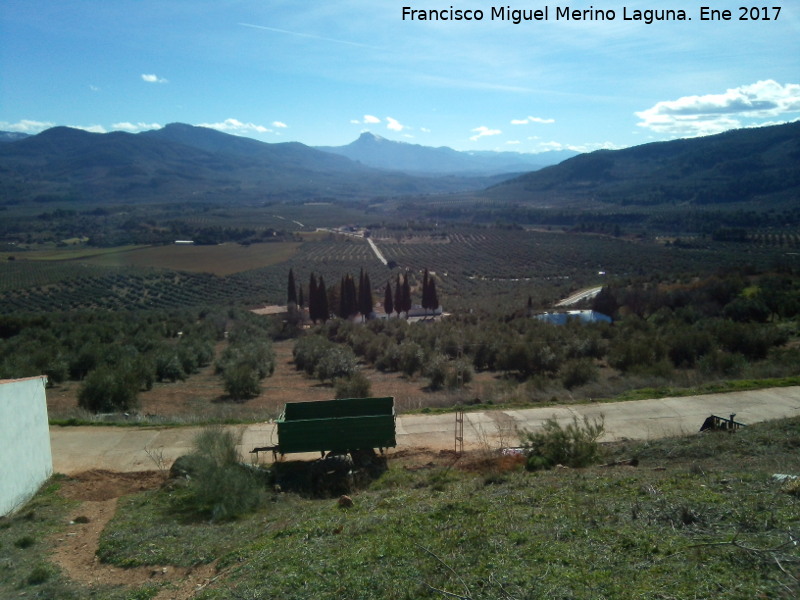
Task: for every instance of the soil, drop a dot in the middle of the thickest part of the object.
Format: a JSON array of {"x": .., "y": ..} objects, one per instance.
[
  {"x": 98, "y": 491},
  {"x": 75, "y": 551},
  {"x": 202, "y": 395}
]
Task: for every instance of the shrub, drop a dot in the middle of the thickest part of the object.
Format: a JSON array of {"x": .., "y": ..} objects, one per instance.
[
  {"x": 336, "y": 361},
  {"x": 39, "y": 575},
  {"x": 437, "y": 372},
  {"x": 412, "y": 357},
  {"x": 355, "y": 386},
  {"x": 579, "y": 372},
  {"x": 460, "y": 374},
  {"x": 575, "y": 445},
  {"x": 221, "y": 487},
  {"x": 168, "y": 367},
  {"x": 241, "y": 381},
  {"x": 108, "y": 390}
]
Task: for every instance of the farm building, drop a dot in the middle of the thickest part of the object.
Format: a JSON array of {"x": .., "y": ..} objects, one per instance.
[
  {"x": 25, "y": 458},
  {"x": 584, "y": 316}
]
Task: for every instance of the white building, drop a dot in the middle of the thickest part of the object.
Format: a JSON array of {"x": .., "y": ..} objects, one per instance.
[{"x": 25, "y": 458}]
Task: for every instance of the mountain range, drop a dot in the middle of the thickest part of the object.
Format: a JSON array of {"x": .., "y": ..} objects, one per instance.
[
  {"x": 183, "y": 162},
  {"x": 759, "y": 166},
  {"x": 375, "y": 151}
]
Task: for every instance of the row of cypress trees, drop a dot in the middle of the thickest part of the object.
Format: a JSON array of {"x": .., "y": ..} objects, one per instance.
[{"x": 354, "y": 300}]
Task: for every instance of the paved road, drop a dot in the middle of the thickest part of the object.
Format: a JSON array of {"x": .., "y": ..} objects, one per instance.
[
  {"x": 579, "y": 295},
  {"x": 77, "y": 449}
]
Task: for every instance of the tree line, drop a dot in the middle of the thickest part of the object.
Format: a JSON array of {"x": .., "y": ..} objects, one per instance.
[{"x": 347, "y": 299}]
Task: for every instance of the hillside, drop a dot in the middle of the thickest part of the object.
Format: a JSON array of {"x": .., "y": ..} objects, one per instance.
[
  {"x": 182, "y": 162},
  {"x": 747, "y": 165},
  {"x": 375, "y": 151}
]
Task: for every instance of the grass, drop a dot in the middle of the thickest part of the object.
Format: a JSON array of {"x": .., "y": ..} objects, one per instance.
[
  {"x": 700, "y": 517},
  {"x": 25, "y": 542}
]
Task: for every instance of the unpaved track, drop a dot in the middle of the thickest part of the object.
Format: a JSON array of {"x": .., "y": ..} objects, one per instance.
[{"x": 125, "y": 449}]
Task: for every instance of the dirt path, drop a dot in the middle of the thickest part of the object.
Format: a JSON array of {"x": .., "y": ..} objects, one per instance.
[{"x": 76, "y": 550}]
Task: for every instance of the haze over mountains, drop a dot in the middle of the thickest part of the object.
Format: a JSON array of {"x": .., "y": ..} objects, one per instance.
[
  {"x": 375, "y": 151},
  {"x": 182, "y": 162}
]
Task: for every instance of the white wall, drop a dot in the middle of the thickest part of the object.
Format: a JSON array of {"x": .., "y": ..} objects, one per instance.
[{"x": 25, "y": 458}]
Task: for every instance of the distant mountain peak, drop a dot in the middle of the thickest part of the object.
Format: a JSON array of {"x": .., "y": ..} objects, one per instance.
[{"x": 369, "y": 137}]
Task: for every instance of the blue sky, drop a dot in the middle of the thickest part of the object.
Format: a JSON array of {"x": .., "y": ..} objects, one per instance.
[{"x": 321, "y": 72}]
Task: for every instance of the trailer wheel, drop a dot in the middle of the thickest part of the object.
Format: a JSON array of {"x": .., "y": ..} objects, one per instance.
[
  {"x": 368, "y": 461},
  {"x": 332, "y": 475}
]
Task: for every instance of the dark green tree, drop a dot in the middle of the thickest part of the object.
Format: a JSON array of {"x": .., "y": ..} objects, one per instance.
[
  {"x": 291, "y": 297},
  {"x": 406, "y": 295},
  {"x": 322, "y": 300},
  {"x": 398, "y": 296},
  {"x": 365, "y": 305},
  {"x": 388, "y": 303},
  {"x": 313, "y": 298}
]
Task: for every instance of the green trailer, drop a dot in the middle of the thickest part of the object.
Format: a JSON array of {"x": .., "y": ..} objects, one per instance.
[{"x": 355, "y": 426}]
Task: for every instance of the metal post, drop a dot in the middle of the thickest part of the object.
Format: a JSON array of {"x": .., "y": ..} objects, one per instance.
[{"x": 459, "y": 433}]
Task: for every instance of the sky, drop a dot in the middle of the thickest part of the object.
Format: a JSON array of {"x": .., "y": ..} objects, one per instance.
[{"x": 322, "y": 72}]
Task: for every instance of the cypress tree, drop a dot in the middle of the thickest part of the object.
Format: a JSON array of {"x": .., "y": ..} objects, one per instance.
[
  {"x": 352, "y": 304},
  {"x": 398, "y": 296},
  {"x": 365, "y": 296},
  {"x": 313, "y": 299},
  {"x": 343, "y": 308},
  {"x": 322, "y": 300},
  {"x": 426, "y": 297},
  {"x": 406, "y": 295},
  {"x": 291, "y": 297},
  {"x": 300, "y": 300},
  {"x": 433, "y": 297},
  {"x": 388, "y": 305}
]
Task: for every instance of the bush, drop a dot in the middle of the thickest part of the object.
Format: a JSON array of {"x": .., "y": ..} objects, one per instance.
[
  {"x": 574, "y": 446},
  {"x": 221, "y": 487},
  {"x": 437, "y": 372},
  {"x": 336, "y": 361},
  {"x": 578, "y": 372},
  {"x": 460, "y": 374},
  {"x": 241, "y": 381},
  {"x": 109, "y": 390},
  {"x": 355, "y": 386}
]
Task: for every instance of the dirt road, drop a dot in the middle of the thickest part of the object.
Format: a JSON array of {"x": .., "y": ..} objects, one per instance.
[{"x": 125, "y": 449}]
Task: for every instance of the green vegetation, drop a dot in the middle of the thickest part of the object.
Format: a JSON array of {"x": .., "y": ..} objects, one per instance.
[
  {"x": 217, "y": 485},
  {"x": 699, "y": 517},
  {"x": 574, "y": 446},
  {"x": 26, "y": 541},
  {"x": 115, "y": 356}
]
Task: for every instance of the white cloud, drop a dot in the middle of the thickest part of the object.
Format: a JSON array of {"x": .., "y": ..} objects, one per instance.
[
  {"x": 484, "y": 131},
  {"x": 279, "y": 124},
  {"x": 588, "y": 147},
  {"x": 528, "y": 120},
  {"x": 714, "y": 113},
  {"x": 371, "y": 119},
  {"x": 91, "y": 128},
  {"x": 26, "y": 126},
  {"x": 394, "y": 124},
  {"x": 513, "y": 142},
  {"x": 236, "y": 127},
  {"x": 94, "y": 88},
  {"x": 151, "y": 78},
  {"x": 355, "y": 122},
  {"x": 424, "y": 130},
  {"x": 135, "y": 127}
]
